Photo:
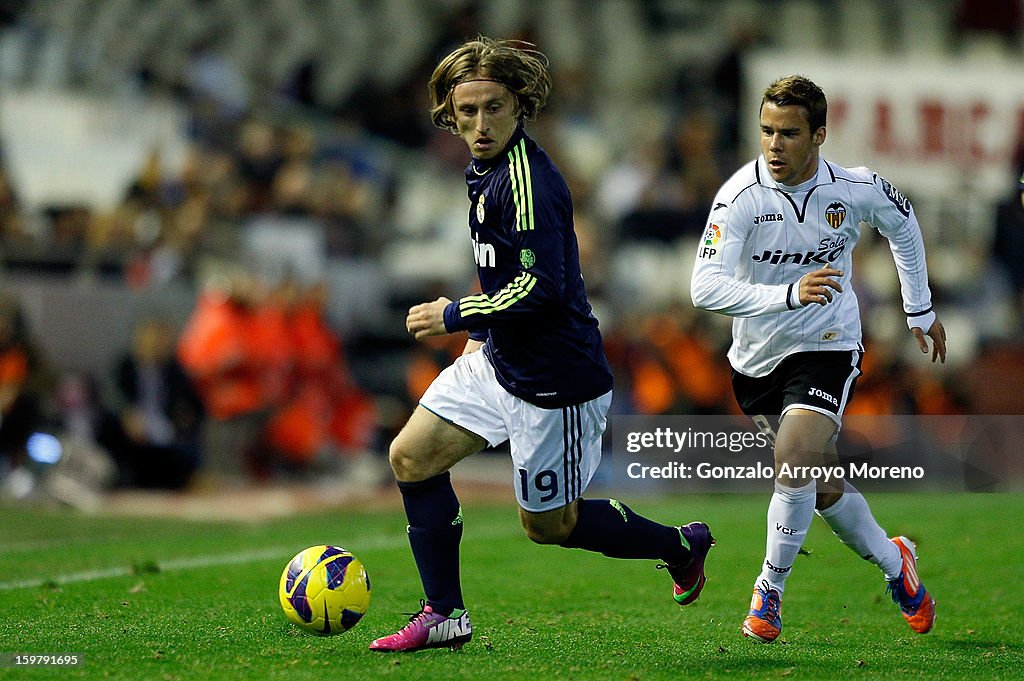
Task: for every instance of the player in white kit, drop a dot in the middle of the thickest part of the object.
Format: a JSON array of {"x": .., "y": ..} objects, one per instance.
[{"x": 777, "y": 255}]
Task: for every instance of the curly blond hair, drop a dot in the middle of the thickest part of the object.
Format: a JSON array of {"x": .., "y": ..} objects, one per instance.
[{"x": 513, "y": 63}]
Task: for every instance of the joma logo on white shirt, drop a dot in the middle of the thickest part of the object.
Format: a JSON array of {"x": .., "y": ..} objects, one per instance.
[{"x": 768, "y": 217}]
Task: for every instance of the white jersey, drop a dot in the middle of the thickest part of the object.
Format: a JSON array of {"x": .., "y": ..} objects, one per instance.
[{"x": 762, "y": 237}]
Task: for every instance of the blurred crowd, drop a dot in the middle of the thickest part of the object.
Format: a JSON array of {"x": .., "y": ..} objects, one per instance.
[{"x": 280, "y": 186}]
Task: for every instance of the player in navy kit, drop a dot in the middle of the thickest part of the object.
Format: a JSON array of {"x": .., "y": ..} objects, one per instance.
[
  {"x": 533, "y": 371},
  {"x": 777, "y": 256}
]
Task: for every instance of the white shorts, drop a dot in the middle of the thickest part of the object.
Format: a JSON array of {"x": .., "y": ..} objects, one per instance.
[{"x": 555, "y": 452}]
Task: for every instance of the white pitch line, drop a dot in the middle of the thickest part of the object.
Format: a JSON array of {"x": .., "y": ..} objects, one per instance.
[
  {"x": 173, "y": 565},
  {"x": 25, "y": 546},
  {"x": 210, "y": 560}
]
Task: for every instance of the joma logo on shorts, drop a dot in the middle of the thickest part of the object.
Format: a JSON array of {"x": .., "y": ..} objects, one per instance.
[{"x": 814, "y": 392}]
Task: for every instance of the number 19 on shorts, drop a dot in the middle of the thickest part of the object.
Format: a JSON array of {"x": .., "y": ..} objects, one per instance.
[{"x": 543, "y": 487}]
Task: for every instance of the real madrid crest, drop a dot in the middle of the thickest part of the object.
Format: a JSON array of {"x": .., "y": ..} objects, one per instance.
[
  {"x": 527, "y": 258},
  {"x": 480, "y": 209},
  {"x": 835, "y": 214}
]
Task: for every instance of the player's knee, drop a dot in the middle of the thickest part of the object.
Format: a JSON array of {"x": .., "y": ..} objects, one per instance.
[
  {"x": 546, "y": 532},
  {"x": 545, "y": 535},
  {"x": 798, "y": 456},
  {"x": 404, "y": 464}
]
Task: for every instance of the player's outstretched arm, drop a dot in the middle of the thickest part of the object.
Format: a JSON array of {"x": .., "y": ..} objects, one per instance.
[
  {"x": 427, "y": 319},
  {"x": 938, "y": 335}
]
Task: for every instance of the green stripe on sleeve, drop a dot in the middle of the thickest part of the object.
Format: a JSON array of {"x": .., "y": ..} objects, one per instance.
[
  {"x": 522, "y": 191},
  {"x": 483, "y": 301},
  {"x": 529, "y": 186},
  {"x": 515, "y": 291},
  {"x": 515, "y": 187}
]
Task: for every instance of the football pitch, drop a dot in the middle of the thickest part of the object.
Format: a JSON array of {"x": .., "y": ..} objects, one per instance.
[{"x": 143, "y": 598}]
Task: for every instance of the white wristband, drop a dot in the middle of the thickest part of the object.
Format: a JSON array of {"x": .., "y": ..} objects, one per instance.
[
  {"x": 793, "y": 298},
  {"x": 923, "y": 321}
]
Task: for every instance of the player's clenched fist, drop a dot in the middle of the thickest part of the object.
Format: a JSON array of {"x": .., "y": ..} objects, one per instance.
[
  {"x": 814, "y": 287},
  {"x": 427, "y": 319}
]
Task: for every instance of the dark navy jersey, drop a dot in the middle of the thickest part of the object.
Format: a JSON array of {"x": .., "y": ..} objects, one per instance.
[{"x": 542, "y": 338}]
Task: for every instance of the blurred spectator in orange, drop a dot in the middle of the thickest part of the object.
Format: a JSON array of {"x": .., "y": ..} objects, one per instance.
[
  {"x": 676, "y": 368},
  {"x": 890, "y": 386},
  {"x": 881, "y": 388},
  {"x": 324, "y": 410},
  {"x": 428, "y": 359},
  {"x": 235, "y": 349}
]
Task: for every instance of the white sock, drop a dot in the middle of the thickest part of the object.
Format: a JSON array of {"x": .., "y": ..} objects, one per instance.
[
  {"x": 851, "y": 520},
  {"x": 789, "y": 517}
]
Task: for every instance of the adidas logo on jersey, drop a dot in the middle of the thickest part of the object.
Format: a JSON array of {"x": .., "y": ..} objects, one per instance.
[{"x": 829, "y": 250}]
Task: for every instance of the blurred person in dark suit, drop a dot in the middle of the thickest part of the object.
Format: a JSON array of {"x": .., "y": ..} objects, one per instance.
[
  {"x": 160, "y": 414},
  {"x": 1008, "y": 242},
  {"x": 24, "y": 381}
]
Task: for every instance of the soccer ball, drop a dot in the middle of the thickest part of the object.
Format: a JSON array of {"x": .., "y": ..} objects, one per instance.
[{"x": 324, "y": 589}]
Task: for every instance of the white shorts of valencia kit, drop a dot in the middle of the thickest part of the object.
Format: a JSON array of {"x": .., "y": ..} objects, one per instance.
[{"x": 555, "y": 452}]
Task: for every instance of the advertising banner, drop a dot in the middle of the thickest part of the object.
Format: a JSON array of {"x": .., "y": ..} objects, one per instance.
[{"x": 933, "y": 127}]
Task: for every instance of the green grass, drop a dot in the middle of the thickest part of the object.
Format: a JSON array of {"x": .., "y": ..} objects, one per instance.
[{"x": 538, "y": 612}]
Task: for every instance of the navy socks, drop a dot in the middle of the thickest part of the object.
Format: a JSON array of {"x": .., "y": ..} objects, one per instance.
[
  {"x": 435, "y": 530},
  {"x": 612, "y": 528},
  {"x": 603, "y": 525}
]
